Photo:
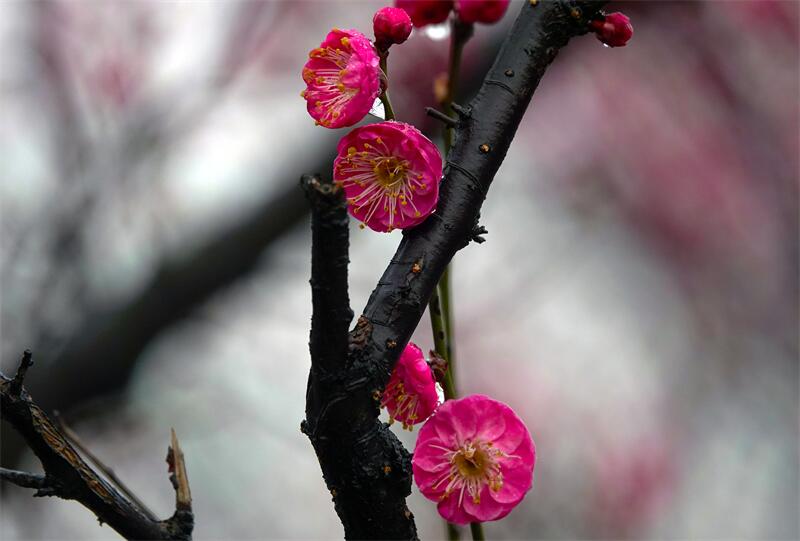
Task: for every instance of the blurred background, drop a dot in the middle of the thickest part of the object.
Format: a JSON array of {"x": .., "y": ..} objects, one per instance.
[{"x": 636, "y": 301}]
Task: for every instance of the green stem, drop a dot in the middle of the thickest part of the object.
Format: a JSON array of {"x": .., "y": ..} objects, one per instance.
[
  {"x": 384, "y": 97},
  {"x": 452, "y": 532},
  {"x": 445, "y": 292},
  {"x": 440, "y": 306},
  {"x": 460, "y": 34},
  {"x": 440, "y": 343},
  {"x": 476, "y": 530}
]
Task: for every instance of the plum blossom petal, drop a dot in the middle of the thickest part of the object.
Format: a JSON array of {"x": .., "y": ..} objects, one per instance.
[
  {"x": 390, "y": 173},
  {"x": 410, "y": 396},
  {"x": 342, "y": 79},
  {"x": 466, "y": 466}
]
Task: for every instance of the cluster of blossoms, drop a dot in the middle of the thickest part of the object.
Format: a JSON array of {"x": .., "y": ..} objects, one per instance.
[
  {"x": 473, "y": 456},
  {"x": 389, "y": 171}
]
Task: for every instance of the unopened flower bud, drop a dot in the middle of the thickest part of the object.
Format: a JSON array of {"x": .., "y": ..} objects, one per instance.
[
  {"x": 392, "y": 26},
  {"x": 615, "y": 29}
]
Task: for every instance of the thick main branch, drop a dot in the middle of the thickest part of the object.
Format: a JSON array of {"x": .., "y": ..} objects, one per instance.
[{"x": 373, "y": 471}]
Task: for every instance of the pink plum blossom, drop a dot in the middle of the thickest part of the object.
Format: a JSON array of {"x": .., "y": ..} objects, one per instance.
[
  {"x": 474, "y": 457},
  {"x": 392, "y": 26},
  {"x": 481, "y": 11},
  {"x": 410, "y": 396},
  {"x": 390, "y": 173},
  {"x": 425, "y": 12},
  {"x": 343, "y": 79},
  {"x": 614, "y": 29}
]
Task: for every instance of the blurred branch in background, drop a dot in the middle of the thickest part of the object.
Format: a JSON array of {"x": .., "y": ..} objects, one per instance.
[{"x": 102, "y": 350}]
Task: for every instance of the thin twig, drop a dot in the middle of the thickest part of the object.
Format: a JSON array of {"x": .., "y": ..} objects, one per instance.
[
  {"x": 25, "y": 363},
  {"x": 68, "y": 476},
  {"x": 108, "y": 472},
  {"x": 24, "y": 479},
  {"x": 441, "y": 117}
]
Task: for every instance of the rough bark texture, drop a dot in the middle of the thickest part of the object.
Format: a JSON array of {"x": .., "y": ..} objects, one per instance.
[
  {"x": 68, "y": 476},
  {"x": 365, "y": 467}
]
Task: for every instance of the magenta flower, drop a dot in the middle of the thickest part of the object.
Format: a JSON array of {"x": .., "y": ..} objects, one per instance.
[
  {"x": 343, "y": 79},
  {"x": 481, "y": 11},
  {"x": 474, "y": 457},
  {"x": 410, "y": 396},
  {"x": 392, "y": 26},
  {"x": 614, "y": 29},
  {"x": 390, "y": 173},
  {"x": 425, "y": 12}
]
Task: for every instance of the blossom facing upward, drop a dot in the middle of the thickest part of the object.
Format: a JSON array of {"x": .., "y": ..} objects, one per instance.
[
  {"x": 410, "y": 396},
  {"x": 392, "y": 26},
  {"x": 425, "y": 12},
  {"x": 474, "y": 457},
  {"x": 481, "y": 11},
  {"x": 615, "y": 29},
  {"x": 390, "y": 173},
  {"x": 342, "y": 79}
]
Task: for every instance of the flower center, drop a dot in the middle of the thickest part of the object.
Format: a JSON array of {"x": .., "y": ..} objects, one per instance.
[
  {"x": 470, "y": 461},
  {"x": 473, "y": 465},
  {"x": 389, "y": 171},
  {"x": 387, "y": 181}
]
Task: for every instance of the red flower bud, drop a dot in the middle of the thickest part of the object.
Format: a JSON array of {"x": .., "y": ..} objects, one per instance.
[
  {"x": 481, "y": 11},
  {"x": 615, "y": 29},
  {"x": 424, "y": 12},
  {"x": 392, "y": 26}
]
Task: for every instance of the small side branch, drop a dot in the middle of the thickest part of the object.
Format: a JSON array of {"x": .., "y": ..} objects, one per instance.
[
  {"x": 16, "y": 384},
  {"x": 69, "y": 477},
  {"x": 24, "y": 479},
  {"x": 448, "y": 121},
  {"x": 365, "y": 466},
  {"x": 108, "y": 472},
  {"x": 329, "y": 259}
]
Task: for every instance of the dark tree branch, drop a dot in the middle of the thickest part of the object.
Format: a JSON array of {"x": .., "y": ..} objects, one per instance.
[
  {"x": 483, "y": 136},
  {"x": 100, "y": 359},
  {"x": 24, "y": 479},
  {"x": 69, "y": 477},
  {"x": 367, "y": 470},
  {"x": 329, "y": 258},
  {"x": 368, "y": 474},
  {"x": 108, "y": 472}
]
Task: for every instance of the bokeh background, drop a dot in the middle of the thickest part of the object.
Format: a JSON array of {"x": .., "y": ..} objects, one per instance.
[{"x": 636, "y": 300}]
